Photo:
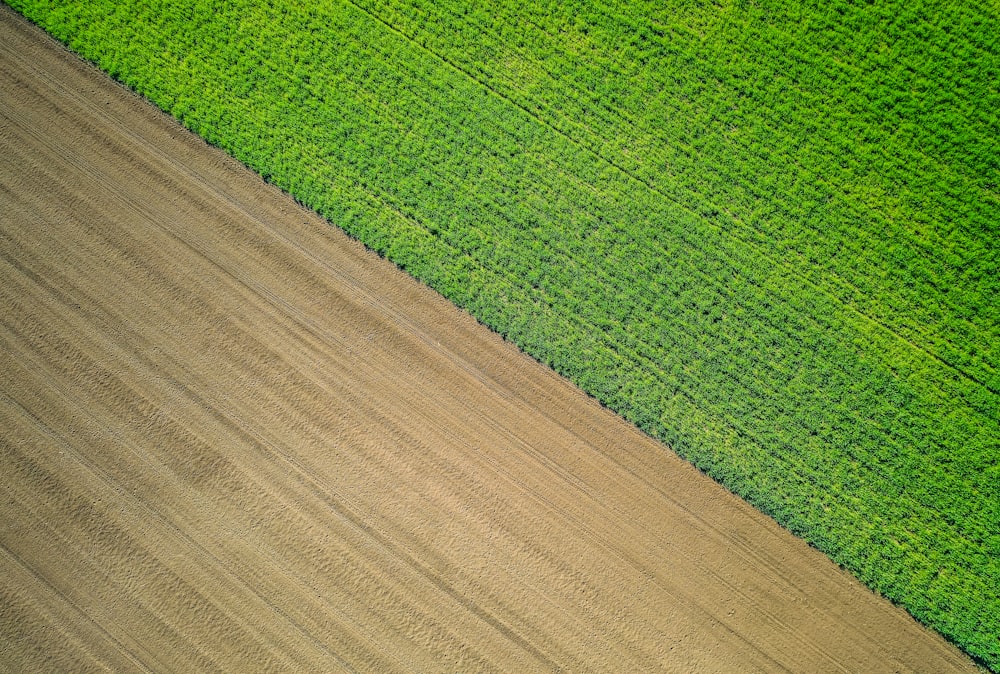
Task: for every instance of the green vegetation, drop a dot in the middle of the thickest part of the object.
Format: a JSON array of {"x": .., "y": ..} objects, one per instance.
[{"x": 767, "y": 233}]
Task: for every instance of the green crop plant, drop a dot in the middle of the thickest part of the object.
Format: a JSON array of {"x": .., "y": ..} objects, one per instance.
[{"x": 764, "y": 232}]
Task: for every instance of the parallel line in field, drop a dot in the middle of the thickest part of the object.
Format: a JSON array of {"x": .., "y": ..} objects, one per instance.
[
  {"x": 139, "y": 208},
  {"x": 151, "y": 330},
  {"x": 56, "y": 385},
  {"x": 10, "y": 557},
  {"x": 635, "y": 178},
  {"x": 281, "y": 306},
  {"x": 252, "y": 438},
  {"x": 926, "y": 251}
]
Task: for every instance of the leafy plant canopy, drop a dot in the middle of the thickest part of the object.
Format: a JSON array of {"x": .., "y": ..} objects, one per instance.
[{"x": 767, "y": 233}]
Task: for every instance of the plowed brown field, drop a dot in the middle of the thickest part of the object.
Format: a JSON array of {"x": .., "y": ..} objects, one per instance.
[{"x": 231, "y": 437}]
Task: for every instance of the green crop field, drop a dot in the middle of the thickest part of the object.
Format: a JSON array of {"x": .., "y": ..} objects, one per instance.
[{"x": 766, "y": 232}]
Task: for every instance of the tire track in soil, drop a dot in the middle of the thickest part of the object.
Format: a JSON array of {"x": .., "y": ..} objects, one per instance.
[{"x": 343, "y": 469}]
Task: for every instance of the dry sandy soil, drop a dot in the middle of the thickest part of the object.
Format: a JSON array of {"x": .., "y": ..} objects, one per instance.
[{"x": 232, "y": 438}]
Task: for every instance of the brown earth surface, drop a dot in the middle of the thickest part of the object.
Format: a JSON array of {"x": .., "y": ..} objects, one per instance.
[{"x": 232, "y": 438}]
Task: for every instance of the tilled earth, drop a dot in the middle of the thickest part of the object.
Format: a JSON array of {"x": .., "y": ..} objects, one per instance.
[{"x": 232, "y": 438}]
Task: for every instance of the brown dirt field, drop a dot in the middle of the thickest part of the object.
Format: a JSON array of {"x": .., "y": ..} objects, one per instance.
[{"x": 232, "y": 438}]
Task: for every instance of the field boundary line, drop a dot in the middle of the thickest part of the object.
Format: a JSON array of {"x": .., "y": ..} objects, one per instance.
[{"x": 135, "y": 139}]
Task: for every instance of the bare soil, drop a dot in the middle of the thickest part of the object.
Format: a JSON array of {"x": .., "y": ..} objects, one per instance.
[{"x": 230, "y": 437}]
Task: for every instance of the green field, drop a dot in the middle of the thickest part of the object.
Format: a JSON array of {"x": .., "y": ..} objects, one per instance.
[{"x": 767, "y": 233}]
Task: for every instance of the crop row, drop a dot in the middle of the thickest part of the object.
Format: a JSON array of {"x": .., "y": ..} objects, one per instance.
[
  {"x": 672, "y": 266},
  {"x": 854, "y": 143}
]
